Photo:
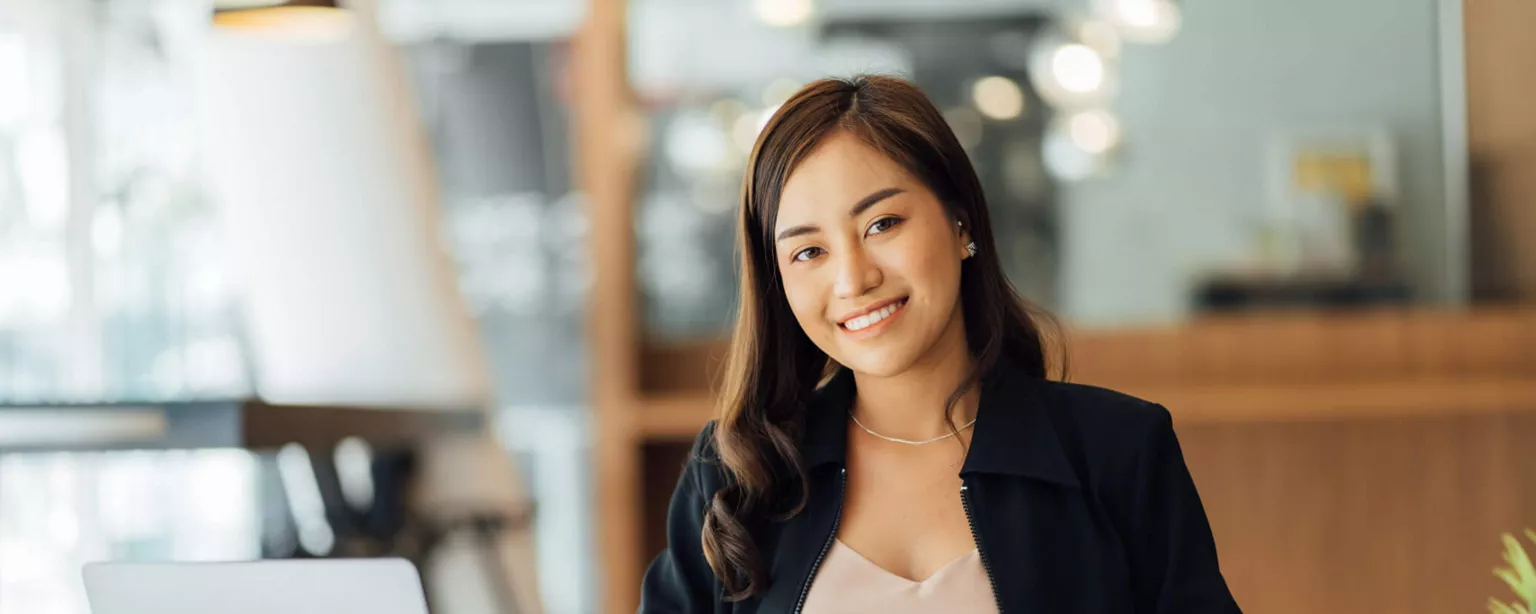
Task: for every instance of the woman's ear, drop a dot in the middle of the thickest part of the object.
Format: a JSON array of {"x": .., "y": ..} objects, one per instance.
[{"x": 966, "y": 245}]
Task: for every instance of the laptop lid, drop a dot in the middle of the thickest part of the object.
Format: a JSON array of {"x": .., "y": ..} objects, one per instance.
[{"x": 312, "y": 586}]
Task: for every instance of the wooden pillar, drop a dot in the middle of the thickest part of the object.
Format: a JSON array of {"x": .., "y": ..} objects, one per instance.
[{"x": 607, "y": 148}]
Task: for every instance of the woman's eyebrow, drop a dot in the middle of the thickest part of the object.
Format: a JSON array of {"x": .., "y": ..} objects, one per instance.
[{"x": 863, "y": 205}]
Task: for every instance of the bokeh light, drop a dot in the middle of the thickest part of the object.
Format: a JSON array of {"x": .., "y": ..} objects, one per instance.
[
  {"x": 1094, "y": 131},
  {"x": 783, "y": 13},
  {"x": 1078, "y": 68},
  {"x": 998, "y": 97}
]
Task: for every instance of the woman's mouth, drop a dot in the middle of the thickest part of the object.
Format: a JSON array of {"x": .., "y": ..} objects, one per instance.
[{"x": 870, "y": 323}]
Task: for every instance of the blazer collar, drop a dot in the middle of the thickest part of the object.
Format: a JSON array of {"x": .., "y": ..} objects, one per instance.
[{"x": 1014, "y": 431}]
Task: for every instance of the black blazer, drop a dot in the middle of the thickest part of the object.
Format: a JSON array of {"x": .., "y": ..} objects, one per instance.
[{"x": 1078, "y": 498}]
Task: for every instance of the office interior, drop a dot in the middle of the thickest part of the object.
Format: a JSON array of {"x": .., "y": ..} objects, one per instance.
[{"x": 449, "y": 280}]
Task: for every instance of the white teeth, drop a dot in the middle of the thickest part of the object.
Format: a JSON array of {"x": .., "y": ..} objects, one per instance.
[{"x": 864, "y": 321}]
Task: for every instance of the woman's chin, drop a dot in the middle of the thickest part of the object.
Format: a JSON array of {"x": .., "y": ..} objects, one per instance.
[{"x": 877, "y": 362}]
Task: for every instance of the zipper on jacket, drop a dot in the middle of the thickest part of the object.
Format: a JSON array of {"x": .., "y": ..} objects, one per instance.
[
  {"x": 842, "y": 492},
  {"x": 965, "y": 502}
]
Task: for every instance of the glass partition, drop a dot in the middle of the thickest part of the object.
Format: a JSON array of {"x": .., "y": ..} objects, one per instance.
[
  {"x": 115, "y": 283},
  {"x": 1146, "y": 161}
]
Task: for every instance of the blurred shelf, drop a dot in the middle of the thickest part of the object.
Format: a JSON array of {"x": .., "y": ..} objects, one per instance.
[
  {"x": 1349, "y": 400},
  {"x": 1380, "y": 344},
  {"x": 1303, "y": 347},
  {"x": 231, "y": 423},
  {"x": 678, "y": 417}
]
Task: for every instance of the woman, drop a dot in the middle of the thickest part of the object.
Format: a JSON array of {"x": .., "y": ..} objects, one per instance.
[{"x": 888, "y": 440}]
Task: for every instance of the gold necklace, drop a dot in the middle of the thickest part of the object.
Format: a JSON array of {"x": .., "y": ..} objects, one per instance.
[{"x": 911, "y": 442}]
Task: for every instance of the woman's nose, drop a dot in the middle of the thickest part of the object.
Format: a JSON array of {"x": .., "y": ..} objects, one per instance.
[{"x": 856, "y": 274}]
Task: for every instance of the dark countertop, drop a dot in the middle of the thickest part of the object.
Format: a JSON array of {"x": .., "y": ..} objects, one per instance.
[{"x": 237, "y": 423}]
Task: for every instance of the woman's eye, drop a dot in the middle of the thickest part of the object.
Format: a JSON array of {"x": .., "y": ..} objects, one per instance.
[
  {"x": 883, "y": 224},
  {"x": 807, "y": 254}
]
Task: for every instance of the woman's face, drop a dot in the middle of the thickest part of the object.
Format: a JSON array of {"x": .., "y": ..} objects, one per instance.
[{"x": 870, "y": 259}]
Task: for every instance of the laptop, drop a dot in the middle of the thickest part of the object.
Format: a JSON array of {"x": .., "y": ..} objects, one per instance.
[{"x": 311, "y": 586}]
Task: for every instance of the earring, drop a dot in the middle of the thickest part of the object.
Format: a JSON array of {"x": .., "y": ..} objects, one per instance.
[{"x": 970, "y": 248}]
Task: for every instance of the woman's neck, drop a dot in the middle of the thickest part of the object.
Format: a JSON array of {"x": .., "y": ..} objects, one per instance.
[{"x": 910, "y": 405}]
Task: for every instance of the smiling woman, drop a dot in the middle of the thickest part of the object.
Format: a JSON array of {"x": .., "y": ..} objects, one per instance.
[
  {"x": 872, "y": 294},
  {"x": 856, "y": 252}
]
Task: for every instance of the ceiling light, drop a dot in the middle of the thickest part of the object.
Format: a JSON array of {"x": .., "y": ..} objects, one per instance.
[
  {"x": 1077, "y": 146},
  {"x": 1094, "y": 131},
  {"x": 1071, "y": 73},
  {"x": 1143, "y": 21},
  {"x": 783, "y": 13},
  {"x": 998, "y": 97},
  {"x": 1078, "y": 68}
]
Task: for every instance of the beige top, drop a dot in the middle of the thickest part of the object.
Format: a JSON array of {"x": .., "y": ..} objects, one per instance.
[{"x": 848, "y": 582}]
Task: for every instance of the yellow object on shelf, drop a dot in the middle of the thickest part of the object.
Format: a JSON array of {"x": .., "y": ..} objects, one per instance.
[{"x": 296, "y": 23}]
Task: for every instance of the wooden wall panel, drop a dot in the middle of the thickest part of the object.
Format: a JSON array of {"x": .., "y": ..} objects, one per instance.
[
  {"x": 1264, "y": 349},
  {"x": 1397, "y": 516},
  {"x": 1304, "y": 348}
]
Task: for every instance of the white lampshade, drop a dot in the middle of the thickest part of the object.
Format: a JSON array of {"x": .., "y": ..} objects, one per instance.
[{"x": 320, "y": 170}]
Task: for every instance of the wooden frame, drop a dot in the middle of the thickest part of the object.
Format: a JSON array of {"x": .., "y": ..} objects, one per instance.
[{"x": 606, "y": 153}]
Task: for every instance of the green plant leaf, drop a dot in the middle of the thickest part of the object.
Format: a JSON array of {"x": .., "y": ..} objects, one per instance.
[
  {"x": 1497, "y": 607},
  {"x": 1521, "y": 575},
  {"x": 1508, "y": 577}
]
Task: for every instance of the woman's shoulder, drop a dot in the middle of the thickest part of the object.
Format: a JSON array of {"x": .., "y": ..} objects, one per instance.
[
  {"x": 704, "y": 446},
  {"x": 1114, "y": 430},
  {"x": 1094, "y": 404},
  {"x": 704, "y": 465}
]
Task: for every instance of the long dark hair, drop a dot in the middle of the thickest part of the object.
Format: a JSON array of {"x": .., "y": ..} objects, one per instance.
[{"x": 773, "y": 368}]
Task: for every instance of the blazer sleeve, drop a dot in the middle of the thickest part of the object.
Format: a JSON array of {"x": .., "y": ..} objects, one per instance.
[
  {"x": 679, "y": 580},
  {"x": 1173, "y": 554}
]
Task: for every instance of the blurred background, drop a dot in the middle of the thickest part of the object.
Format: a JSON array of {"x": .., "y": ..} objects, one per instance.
[{"x": 449, "y": 279}]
